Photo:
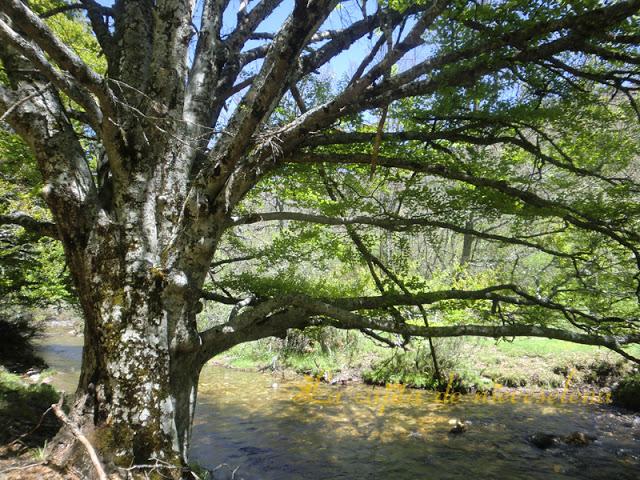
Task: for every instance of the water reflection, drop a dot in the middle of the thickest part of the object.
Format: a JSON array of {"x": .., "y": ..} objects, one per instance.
[{"x": 63, "y": 354}]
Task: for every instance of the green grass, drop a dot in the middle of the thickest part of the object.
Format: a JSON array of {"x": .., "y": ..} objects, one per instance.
[
  {"x": 546, "y": 347},
  {"x": 541, "y": 347},
  {"x": 313, "y": 363},
  {"x": 545, "y": 363},
  {"x": 357, "y": 354}
]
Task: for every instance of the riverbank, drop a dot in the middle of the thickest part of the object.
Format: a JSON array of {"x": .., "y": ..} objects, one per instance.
[
  {"x": 26, "y": 425},
  {"x": 27, "y": 422},
  {"x": 476, "y": 364},
  {"x": 528, "y": 364}
]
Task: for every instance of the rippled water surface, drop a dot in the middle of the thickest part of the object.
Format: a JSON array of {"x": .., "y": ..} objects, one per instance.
[{"x": 267, "y": 427}]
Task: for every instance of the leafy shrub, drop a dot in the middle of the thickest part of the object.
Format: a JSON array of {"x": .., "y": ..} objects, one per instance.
[
  {"x": 627, "y": 392},
  {"x": 408, "y": 368},
  {"x": 604, "y": 371}
]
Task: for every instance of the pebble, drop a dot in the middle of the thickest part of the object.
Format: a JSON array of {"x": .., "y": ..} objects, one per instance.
[{"x": 579, "y": 439}]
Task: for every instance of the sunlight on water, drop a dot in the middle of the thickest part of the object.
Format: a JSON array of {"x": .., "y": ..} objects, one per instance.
[{"x": 272, "y": 428}]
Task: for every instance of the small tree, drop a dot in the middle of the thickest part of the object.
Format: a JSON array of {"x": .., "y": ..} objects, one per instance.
[{"x": 193, "y": 116}]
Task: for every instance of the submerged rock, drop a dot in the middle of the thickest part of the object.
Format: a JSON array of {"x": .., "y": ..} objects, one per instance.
[
  {"x": 548, "y": 440},
  {"x": 459, "y": 427},
  {"x": 579, "y": 439},
  {"x": 543, "y": 440}
]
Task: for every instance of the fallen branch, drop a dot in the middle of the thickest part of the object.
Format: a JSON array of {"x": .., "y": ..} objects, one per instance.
[{"x": 57, "y": 409}]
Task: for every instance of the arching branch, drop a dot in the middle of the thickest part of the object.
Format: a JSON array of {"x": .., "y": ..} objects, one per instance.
[{"x": 303, "y": 311}]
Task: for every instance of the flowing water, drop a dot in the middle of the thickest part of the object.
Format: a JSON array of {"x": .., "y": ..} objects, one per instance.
[{"x": 255, "y": 426}]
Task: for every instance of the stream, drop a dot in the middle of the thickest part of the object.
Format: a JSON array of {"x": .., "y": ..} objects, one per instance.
[{"x": 256, "y": 426}]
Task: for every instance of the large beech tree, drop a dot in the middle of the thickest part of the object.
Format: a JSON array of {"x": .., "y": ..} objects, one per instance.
[{"x": 204, "y": 106}]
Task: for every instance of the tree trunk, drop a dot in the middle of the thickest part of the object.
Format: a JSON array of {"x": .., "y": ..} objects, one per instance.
[
  {"x": 467, "y": 243},
  {"x": 137, "y": 391},
  {"x": 136, "y": 396}
]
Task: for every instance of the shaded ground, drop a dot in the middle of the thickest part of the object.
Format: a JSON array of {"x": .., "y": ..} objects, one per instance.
[
  {"x": 17, "y": 333},
  {"x": 26, "y": 425},
  {"x": 26, "y": 422}
]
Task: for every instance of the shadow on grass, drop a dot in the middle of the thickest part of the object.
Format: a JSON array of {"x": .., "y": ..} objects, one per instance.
[{"x": 23, "y": 421}]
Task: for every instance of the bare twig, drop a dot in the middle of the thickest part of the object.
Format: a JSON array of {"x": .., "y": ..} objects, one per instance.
[
  {"x": 33, "y": 429},
  {"x": 233, "y": 471}
]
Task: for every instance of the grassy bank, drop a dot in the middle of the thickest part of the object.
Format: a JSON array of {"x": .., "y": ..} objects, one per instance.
[
  {"x": 477, "y": 364},
  {"x": 22, "y": 405},
  {"x": 26, "y": 425}
]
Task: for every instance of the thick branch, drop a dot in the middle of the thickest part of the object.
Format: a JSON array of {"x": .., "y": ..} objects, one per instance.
[
  {"x": 63, "y": 81},
  {"x": 471, "y": 134},
  {"x": 222, "y": 337},
  {"x": 37, "y": 227},
  {"x": 9, "y": 108},
  {"x": 248, "y": 23},
  {"x": 299, "y": 311},
  {"x": 544, "y": 206},
  {"x": 41, "y": 34},
  {"x": 464, "y": 66},
  {"x": 350, "y": 321},
  {"x": 85, "y": 5}
]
